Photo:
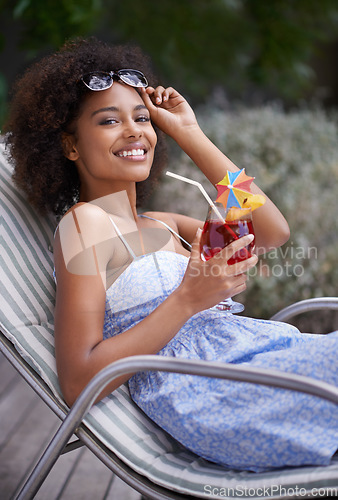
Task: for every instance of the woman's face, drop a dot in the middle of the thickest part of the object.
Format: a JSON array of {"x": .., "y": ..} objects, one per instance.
[{"x": 114, "y": 141}]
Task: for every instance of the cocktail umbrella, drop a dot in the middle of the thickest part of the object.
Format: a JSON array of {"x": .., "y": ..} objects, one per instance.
[{"x": 234, "y": 189}]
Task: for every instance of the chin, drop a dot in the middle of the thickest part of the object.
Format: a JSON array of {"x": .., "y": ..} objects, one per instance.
[{"x": 141, "y": 173}]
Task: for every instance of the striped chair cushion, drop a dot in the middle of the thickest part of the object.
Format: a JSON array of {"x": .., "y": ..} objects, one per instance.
[{"x": 27, "y": 301}]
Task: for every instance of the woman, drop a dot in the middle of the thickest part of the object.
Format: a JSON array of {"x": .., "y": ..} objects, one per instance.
[{"x": 82, "y": 137}]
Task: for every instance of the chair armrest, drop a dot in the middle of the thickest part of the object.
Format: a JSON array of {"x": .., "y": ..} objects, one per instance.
[
  {"x": 254, "y": 375},
  {"x": 305, "y": 306}
]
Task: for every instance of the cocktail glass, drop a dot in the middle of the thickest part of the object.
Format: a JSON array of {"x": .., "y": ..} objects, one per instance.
[{"x": 217, "y": 234}]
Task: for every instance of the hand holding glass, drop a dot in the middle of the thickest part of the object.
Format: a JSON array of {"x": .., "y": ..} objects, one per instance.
[{"x": 217, "y": 234}]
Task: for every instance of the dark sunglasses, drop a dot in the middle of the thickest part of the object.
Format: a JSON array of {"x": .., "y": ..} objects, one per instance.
[{"x": 101, "y": 80}]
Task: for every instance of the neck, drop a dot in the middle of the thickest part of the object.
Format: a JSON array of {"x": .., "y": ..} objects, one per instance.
[{"x": 119, "y": 202}]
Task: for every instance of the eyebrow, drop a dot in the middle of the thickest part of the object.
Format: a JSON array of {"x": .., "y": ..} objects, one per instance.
[{"x": 115, "y": 109}]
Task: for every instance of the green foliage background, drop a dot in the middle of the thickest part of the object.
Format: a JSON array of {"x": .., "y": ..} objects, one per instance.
[{"x": 244, "y": 45}]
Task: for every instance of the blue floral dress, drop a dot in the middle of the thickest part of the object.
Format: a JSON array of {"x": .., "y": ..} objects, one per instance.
[{"x": 239, "y": 425}]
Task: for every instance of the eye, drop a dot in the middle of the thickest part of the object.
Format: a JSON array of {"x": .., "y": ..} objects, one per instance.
[
  {"x": 143, "y": 119},
  {"x": 108, "y": 121}
]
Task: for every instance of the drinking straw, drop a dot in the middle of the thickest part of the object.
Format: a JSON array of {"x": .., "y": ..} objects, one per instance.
[{"x": 201, "y": 188}]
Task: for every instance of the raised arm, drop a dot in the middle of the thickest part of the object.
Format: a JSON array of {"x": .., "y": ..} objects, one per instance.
[{"x": 172, "y": 114}]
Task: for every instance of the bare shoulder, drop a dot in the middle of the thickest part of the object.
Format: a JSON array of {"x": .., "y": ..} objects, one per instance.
[
  {"x": 84, "y": 227},
  {"x": 85, "y": 221},
  {"x": 83, "y": 217}
]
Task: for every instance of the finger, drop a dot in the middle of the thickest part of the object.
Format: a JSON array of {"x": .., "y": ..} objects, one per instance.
[
  {"x": 157, "y": 95},
  {"x": 166, "y": 95},
  {"x": 160, "y": 95},
  {"x": 235, "y": 246},
  {"x": 238, "y": 289},
  {"x": 242, "y": 267},
  {"x": 195, "y": 248},
  {"x": 231, "y": 270},
  {"x": 146, "y": 96},
  {"x": 238, "y": 286}
]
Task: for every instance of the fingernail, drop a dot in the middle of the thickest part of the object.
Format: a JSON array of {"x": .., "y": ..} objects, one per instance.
[
  {"x": 158, "y": 100},
  {"x": 251, "y": 236}
]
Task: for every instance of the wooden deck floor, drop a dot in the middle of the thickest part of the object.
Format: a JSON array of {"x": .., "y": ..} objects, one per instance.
[{"x": 26, "y": 426}]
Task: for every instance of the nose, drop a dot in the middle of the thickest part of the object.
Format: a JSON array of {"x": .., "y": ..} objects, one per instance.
[{"x": 133, "y": 129}]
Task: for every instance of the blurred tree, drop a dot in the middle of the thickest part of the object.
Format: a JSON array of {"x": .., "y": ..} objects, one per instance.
[
  {"x": 47, "y": 23},
  {"x": 33, "y": 27},
  {"x": 287, "y": 34},
  {"x": 195, "y": 44},
  {"x": 241, "y": 45}
]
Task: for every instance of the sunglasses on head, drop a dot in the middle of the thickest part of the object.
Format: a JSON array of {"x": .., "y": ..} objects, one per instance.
[{"x": 101, "y": 80}]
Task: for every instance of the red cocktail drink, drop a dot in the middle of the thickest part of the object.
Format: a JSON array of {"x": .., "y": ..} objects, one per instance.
[{"x": 216, "y": 235}]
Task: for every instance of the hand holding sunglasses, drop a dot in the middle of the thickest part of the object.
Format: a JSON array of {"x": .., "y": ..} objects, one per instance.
[{"x": 169, "y": 110}]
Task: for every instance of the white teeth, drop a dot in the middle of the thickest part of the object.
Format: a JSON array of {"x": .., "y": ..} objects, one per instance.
[{"x": 133, "y": 152}]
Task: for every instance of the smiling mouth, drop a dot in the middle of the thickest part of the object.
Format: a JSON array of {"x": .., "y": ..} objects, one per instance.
[{"x": 132, "y": 152}]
